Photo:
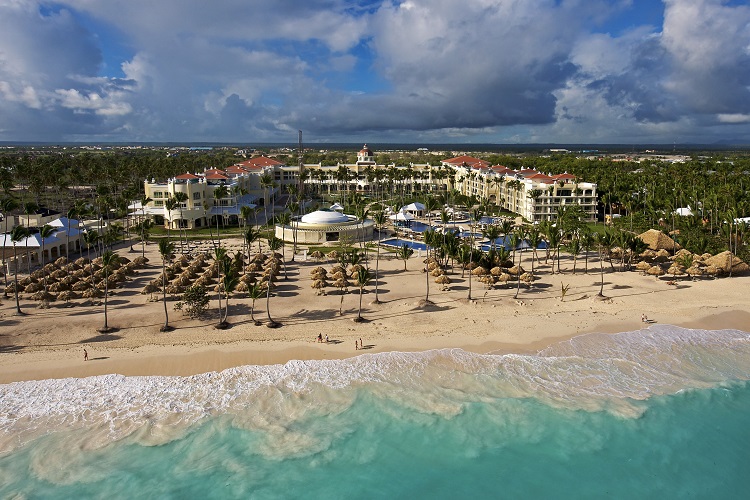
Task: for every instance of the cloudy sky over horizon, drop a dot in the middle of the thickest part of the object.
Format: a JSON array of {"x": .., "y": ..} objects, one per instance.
[{"x": 474, "y": 71}]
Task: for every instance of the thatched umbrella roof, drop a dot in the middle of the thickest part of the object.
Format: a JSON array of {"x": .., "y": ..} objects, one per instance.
[
  {"x": 59, "y": 274},
  {"x": 711, "y": 270},
  {"x": 661, "y": 256},
  {"x": 204, "y": 281},
  {"x": 504, "y": 278},
  {"x": 726, "y": 261},
  {"x": 528, "y": 277},
  {"x": 26, "y": 281},
  {"x": 242, "y": 287},
  {"x": 643, "y": 266},
  {"x": 42, "y": 295},
  {"x": 317, "y": 255},
  {"x": 149, "y": 289},
  {"x": 33, "y": 287},
  {"x": 319, "y": 284},
  {"x": 81, "y": 286},
  {"x": 333, "y": 255},
  {"x": 58, "y": 287},
  {"x": 249, "y": 278},
  {"x": 657, "y": 240},
  {"x": 92, "y": 293},
  {"x": 82, "y": 261},
  {"x": 139, "y": 261},
  {"x": 355, "y": 269},
  {"x": 676, "y": 270},
  {"x": 443, "y": 280},
  {"x": 338, "y": 269},
  {"x": 648, "y": 254},
  {"x": 479, "y": 271},
  {"x": 496, "y": 271},
  {"x": 38, "y": 274},
  {"x": 655, "y": 271},
  {"x": 488, "y": 280},
  {"x": 694, "y": 271},
  {"x": 254, "y": 267},
  {"x": 48, "y": 268},
  {"x": 67, "y": 295},
  {"x": 175, "y": 289},
  {"x": 338, "y": 275},
  {"x": 516, "y": 270},
  {"x": 61, "y": 261},
  {"x": 438, "y": 271},
  {"x": 341, "y": 283}
]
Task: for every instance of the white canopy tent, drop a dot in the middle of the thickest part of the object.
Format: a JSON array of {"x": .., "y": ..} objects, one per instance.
[
  {"x": 402, "y": 216},
  {"x": 415, "y": 208}
]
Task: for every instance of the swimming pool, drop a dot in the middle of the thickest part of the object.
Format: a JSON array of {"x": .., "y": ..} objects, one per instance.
[{"x": 399, "y": 242}]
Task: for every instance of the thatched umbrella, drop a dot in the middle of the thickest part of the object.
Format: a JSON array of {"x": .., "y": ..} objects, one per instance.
[
  {"x": 488, "y": 280},
  {"x": 504, "y": 278},
  {"x": 58, "y": 287},
  {"x": 175, "y": 289},
  {"x": 50, "y": 268},
  {"x": 81, "y": 286},
  {"x": 726, "y": 262},
  {"x": 643, "y": 266},
  {"x": 338, "y": 269},
  {"x": 516, "y": 270},
  {"x": 694, "y": 271},
  {"x": 26, "y": 281},
  {"x": 648, "y": 255},
  {"x": 38, "y": 274},
  {"x": 342, "y": 283},
  {"x": 338, "y": 275},
  {"x": 319, "y": 284},
  {"x": 58, "y": 274},
  {"x": 438, "y": 271},
  {"x": 661, "y": 256},
  {"x": 82, "y": 261},
  {"x": 528, "y": 278},
  {"x": 61, "y": 261},
  {"x": 656, "y": 240},
  {"x": 254, "y": 267},
  {"x": 42, "y": 295},
  {"x": 355, "y": 269},
  {"x": 33, "y": 288},
  {"x": 471, "y": 265},
  {"x": 139, "y": 261},
  {"x": 242, "y": 287},
  {"x": 676, "y": 270},
  {"x": 655, "y": 271},
  {"x": 333, "y": 255},
  {"x": 317, "y": 255},
  {"x": 496, "y": 271},
  {"x": 204, "y": 281},
  {"x": 92, "y": 293},
  {"x": 67, "y": 295},
  {"x": 443, "y": 280},
  {"x": 479, "y": 271},
  {"x": 712, "y": 270},
  {"x": 318, "y": 276},
  {"x": 150, "y": 289}
]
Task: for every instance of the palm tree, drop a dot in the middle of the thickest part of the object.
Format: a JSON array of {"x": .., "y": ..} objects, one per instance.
[
  {"x": 170, "y": 205},
  {"x": 363, "y": 279},
  {"x": 220, "y": 253},
  {"x": 274, "y": 244},
  {"x": 181, "y": 197},
  {"x": 380, "y": 219},
  {"x": 30, "y": 207},
  {"x": 45, "y": 232},
  {"x": 166, "y": 249},
  {"x": 266, "y": 181},
  {"x": 219, "y": 193},
  {"x": 7, "y": 205},
  {"x": 284, "y": 219},
  {"x": 404, "y": 253},
  {"x": 250, "y": 235},
  {"x": 91, "y": 238},
  {"x": 17, "y": 235},
  {"x": 229, "y": 282},
  {"x": 255, "y": 291},
  {"x": 109, "y": 259},
  {"x": 603, "y": 242}
]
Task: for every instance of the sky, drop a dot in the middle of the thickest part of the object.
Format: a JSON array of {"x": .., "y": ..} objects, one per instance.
[{"x": 413, "y": 71}]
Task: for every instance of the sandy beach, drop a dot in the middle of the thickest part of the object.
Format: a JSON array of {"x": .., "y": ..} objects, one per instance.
[{"x": 49, "y": 343}]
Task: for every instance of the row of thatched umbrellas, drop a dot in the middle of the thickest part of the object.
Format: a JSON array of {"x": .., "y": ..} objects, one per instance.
[
  {"x": 700, "y": 265},
  {"x": 184, "y": 273},
  {"x": 71, "y": 280}
]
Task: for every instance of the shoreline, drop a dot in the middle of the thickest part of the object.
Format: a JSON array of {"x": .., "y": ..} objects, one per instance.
[{"x": 187, "y": 360}]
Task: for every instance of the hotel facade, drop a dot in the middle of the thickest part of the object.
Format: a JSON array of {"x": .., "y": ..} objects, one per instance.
[{"x": 258, "y": 181}]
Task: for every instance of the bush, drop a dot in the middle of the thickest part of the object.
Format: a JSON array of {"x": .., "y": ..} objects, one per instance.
[{"x": 194, "y": 301}]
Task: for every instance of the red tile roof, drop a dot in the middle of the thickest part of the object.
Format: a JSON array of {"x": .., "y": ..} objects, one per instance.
[
  {"x": 469, "y": 160},
  {"x": 187, "y": 176},
  {"x": 259, "y": 162}
]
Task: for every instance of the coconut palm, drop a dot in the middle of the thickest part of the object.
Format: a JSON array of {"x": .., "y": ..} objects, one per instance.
[
  {"x": 30, "y": 207},
  {"x": 180, "y": 197},
  {"x": 603, "y": 241},
  {"x": 109, "y": 260},
  {"x": 284, "y": 219},
  {"x": 166, "y": 250},
  {"x": 230, "y": 280},
  {"x": 17, "y": 235},
  {"x": 45, "y": 232},
  {"x": 274, "y": 244},
  {"x": 170, "y": 205},
  {"x": 380, "y": 219},
  {"x": 266, "y": 182},
  {"x": 7, "y": 205},
  {"x": 220, "y": 253},
  {"x": 403, "y": 253},
  {"x": 254, "y": 291},
  {"x": 250, "y": 235},
  {"x": 363, "y": 279},
  {"x": 219, "y": 193}
]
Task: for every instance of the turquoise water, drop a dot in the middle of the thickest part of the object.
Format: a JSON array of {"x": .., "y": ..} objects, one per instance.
[{"x": 658, "y": 413}]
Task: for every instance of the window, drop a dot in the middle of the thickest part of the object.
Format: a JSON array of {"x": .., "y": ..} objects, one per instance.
[{"x": 197, "y": 195}]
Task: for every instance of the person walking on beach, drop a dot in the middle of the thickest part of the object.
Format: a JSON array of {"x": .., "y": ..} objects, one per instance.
[
  {"x": 356, "y": 346},
  {"x": 326, "y": 338},
  {"x": 320, "y": 337},
  {"x": 85, "y": 355},
  {"x": 361, "y": 344}
]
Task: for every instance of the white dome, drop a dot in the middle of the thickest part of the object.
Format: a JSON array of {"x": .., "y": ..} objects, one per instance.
[{"x": 324, "y": 217}]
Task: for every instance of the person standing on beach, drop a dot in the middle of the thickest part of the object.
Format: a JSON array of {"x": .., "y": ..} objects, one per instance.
[
  {"x": 85, "y": 355},
  {"x": 356, "y": 346},
  {"x": 361, "y": 344}
]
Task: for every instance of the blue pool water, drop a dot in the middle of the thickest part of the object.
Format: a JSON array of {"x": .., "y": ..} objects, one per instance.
[
  {"x": 399, "y": 242},
  {"x": 658, "y": 413}
]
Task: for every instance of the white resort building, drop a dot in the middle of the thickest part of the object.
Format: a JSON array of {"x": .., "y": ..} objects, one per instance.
[{"x": 258, "y": 181}]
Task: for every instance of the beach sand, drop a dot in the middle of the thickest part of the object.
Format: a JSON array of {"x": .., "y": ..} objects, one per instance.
[{"x": 49, "y": 343}]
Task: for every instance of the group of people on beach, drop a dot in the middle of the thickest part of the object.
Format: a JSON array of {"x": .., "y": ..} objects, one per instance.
[{"x": 320, "y": 338}]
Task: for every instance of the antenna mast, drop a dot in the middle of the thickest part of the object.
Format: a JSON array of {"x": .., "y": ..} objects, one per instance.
[{"x": 301, "y": 177}]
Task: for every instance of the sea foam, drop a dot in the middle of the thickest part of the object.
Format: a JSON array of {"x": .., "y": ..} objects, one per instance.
[{"x": 591, "y": 372}]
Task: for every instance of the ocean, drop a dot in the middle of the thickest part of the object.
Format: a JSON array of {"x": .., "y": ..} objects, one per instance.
[{"x": 657, "y": 413}]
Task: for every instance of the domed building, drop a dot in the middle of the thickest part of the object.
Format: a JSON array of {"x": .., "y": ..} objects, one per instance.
[{"x": 324, "y": 226}]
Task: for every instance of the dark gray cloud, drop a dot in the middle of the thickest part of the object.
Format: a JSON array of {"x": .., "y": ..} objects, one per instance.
[{"x": 484, "y": 70}]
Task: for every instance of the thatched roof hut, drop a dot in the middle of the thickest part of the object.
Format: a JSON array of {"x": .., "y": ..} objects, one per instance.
[
  {"x": 655, "y": 271},
  {"x": 657, "y": 240},
  {"x": 726, "y": 261},
  {"x": 479, "y": 271}
]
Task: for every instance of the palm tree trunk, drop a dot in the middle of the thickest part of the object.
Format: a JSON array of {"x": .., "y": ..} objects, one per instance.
[{"x": 15, "y": 288}]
